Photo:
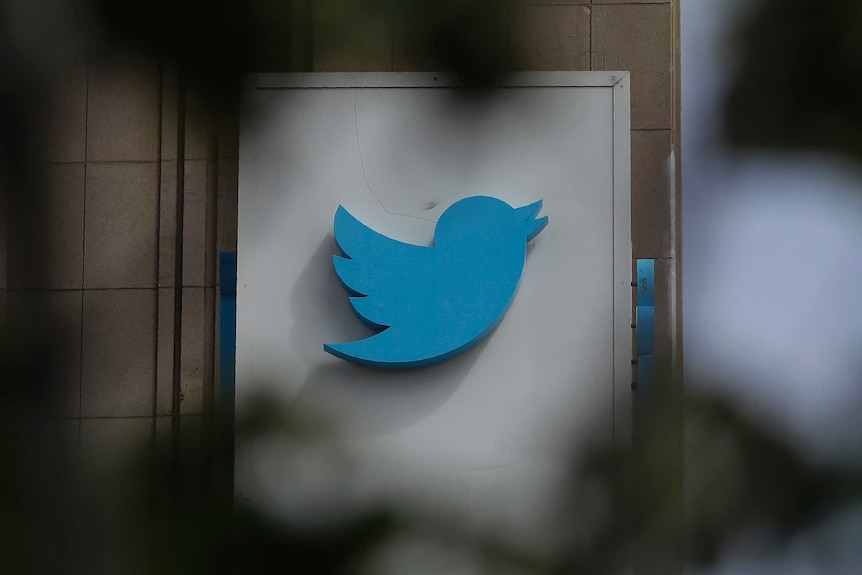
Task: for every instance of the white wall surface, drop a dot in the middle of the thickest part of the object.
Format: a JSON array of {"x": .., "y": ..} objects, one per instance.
[{"x": 486, "y": 425}]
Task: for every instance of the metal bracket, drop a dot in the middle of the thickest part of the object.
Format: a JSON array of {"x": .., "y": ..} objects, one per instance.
[{"x": 645, "y": 297}]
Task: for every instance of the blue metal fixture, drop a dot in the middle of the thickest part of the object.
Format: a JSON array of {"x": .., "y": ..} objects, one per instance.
[
  {"x": 227, "y": 280},
  {"x": 645, "y": 324}
]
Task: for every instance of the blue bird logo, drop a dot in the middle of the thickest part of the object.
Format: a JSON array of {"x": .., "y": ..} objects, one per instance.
[{"x": 432, "y": 303}]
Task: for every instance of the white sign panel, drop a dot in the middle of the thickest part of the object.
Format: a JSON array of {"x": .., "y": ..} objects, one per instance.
[{"x": 396, "y": 150}]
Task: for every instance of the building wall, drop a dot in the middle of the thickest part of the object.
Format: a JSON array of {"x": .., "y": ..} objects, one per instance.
[{"x": 142, "y": 181}]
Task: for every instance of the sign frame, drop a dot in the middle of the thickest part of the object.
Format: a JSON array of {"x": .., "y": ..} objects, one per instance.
[{"x": 619, "y": 85}]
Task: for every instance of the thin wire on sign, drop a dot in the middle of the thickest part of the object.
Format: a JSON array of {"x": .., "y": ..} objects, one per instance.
[{"x": 362, "y": 163}]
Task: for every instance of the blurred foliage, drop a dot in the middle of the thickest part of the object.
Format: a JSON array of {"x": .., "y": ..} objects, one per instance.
[
  {"x": 798, "y": 86},
  {"x": 469, "y": 37},
  {"x": 799, "y": 78},
  {"x": 216, "y": 42},
  {"x": 740, "y": 476}
]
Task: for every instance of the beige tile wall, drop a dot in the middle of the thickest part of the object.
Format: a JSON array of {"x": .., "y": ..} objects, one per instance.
[
  {"x": 112, "y": 172},
  {"x": 116, "y": 169}
]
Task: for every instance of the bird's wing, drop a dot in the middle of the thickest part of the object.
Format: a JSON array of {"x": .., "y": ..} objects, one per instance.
[{"x": 385, "y": 276}]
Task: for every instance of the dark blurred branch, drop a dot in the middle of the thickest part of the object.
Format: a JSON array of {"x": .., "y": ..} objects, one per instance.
[
  {"x": 739, "y": 477},
  {"x": 799, "y": 79},
  {"x": 798, "y": 86}
]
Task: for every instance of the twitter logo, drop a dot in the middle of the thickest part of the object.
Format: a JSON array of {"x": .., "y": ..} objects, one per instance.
[{"x": 432, "y": 303}]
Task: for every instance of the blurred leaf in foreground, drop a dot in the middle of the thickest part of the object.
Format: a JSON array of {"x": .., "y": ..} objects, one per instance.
[{"x": 799, "y": 78}]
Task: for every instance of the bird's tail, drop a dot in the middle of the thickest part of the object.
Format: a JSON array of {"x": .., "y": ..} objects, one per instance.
[{"x": 386, "y": 350}]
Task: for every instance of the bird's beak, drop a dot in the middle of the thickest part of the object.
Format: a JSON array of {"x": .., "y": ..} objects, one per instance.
[{"x": 528, "y": 214}]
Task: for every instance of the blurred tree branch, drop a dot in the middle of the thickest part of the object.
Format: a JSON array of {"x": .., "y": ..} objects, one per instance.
[
  {"x": 798, "y": 87},
  {"x": 799, "y": 78}
]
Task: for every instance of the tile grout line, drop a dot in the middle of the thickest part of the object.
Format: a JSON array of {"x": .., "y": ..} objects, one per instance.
[
  {"x": 158, "y": 254},
  {"x": 83, "y": 253},
  {"x": 103, "y": 417},
  {"x": 590, "y": 48},
  {"x": 100, "y": 289},
  {"x": 178, "y": 288},
  {"x": 391, "y": 25},
  {"x": 211, "y": 227},
  {"x": 97, "y": 162}
]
